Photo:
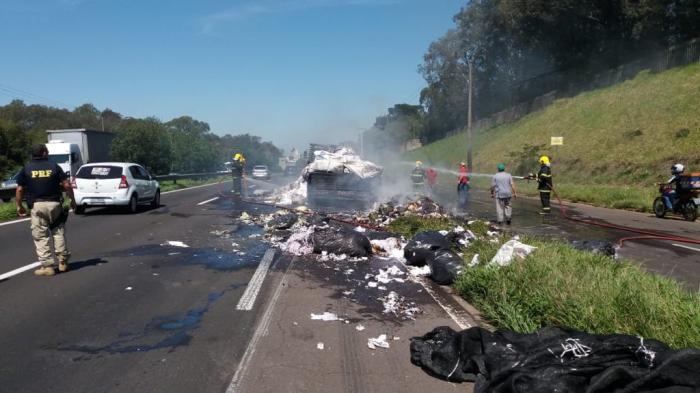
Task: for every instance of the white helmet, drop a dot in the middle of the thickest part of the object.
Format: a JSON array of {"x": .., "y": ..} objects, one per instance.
[{"x": 677, "y": 169}]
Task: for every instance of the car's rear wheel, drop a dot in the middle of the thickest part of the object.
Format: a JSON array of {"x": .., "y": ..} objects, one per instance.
[
  {"x": 133, "y": 204},
  {"x": 80, "y": 209},
  {"x": 156, "y": 200}
]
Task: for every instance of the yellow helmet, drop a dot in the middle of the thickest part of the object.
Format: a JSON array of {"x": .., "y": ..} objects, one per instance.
[
  {"x": 419, "y": 163},
  {"x": 238, "y": 157},
  {"x": 544, "y": 160}
]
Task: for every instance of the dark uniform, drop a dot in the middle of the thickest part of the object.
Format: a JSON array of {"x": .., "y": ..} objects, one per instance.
[
  {"x": 237, "y": 173},
  {"x": 418, "y": 178},
  {"x": 43, "y": 181},
  {"x": 544, "y": 186}
]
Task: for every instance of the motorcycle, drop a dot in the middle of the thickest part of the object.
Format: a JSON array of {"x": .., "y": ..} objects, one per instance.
[{"x": 685, "y": 203}]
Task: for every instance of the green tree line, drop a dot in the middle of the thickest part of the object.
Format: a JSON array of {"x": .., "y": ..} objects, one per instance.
[
  {"x": 180, "y": 145},
  {"x": 511, "y": 43}
]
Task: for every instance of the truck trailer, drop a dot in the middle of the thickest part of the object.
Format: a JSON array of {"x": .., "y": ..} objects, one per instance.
[{"x": 72, "y": 148}]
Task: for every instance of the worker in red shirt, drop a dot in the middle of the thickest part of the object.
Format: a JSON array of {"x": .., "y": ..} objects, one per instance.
[
  {"x": 431, "y": 177},
  {"x": 463, "y": 185}
]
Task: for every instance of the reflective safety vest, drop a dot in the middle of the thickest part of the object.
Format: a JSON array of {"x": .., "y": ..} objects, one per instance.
[{"x": 418, "y": 176}]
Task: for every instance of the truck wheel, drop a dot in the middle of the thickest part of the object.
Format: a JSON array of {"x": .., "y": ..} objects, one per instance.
[
  {"x": 80, "y": 209},
  {"x": 133, "y": 204},
  {"x": 156, "y": 200},
  {"x": 659, "y": 207},
  {"x": 690, "y": 211}
]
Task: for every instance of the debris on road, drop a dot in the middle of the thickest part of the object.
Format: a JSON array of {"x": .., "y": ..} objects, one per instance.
[
  {"x": 175, "y": 243},
  {"x": 567, "y": 359},
  {"x": 320, "y": 346},
  {"x": 128, "y": 288},
  {"x": 399, "y": 306},
  {"x": 359, "y": 328},
  {"x": 326, "y": 316},
  {"x": 596, "y": 246},
  {"x": 378, "y": 342}
]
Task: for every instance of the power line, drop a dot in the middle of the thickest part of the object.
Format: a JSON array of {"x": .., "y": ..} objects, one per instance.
[{"x": 25, "y": 95}]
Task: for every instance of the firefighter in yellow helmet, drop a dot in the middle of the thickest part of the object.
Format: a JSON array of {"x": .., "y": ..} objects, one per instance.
[
  {"x": 237, "y": 169},
  {"x": 544, "y": 184},
  {"x": 418, "y": 177}
]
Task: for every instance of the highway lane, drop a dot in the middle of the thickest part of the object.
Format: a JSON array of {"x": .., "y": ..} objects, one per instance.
[{"x": 132, "y": 314}]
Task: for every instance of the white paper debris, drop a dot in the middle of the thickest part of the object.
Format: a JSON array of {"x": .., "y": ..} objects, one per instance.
[
  {"x": 378, "y": 342},
  {"x": 419, "y": 270},
  {"x": 128, "y": 288},
  {"x": 360, "y": 229},
  {"x": 320, "y": 346},
  {"x": 359, "y": 328},
  {"x": 326, "y": 316},
  {"x": 176, "y": 243},
  {"x": 510, "y": 250},
  {"x": 474, "y": 261}
]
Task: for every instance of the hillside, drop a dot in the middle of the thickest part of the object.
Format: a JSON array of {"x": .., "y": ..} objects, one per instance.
[{"x": 618, "y": 141}]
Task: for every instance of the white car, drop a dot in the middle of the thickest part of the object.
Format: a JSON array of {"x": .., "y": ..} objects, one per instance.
[
  {"x": 261, "y": 172},
  {"x": 114, "y": 184}
]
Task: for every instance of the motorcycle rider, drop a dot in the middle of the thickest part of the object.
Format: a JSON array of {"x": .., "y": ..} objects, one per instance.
[{"x": 671, "y": 195}]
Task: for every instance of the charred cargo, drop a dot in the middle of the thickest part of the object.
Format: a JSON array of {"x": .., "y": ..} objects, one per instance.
[{"x": 338, "y": 179}]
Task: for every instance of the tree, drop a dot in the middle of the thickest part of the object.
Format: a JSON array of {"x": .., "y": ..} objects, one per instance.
[
  {"x": 14, "y": 147},
  {"x": 144, "y": 142}
]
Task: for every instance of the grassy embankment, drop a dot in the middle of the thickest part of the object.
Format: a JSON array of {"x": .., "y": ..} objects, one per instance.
[
  {"x": 618, "y": 141},
  {"x": 558, "y": 285},
  {"x": 8, "y": 211}
]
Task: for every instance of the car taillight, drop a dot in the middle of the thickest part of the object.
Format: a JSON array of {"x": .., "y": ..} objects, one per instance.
[
  {"x": 72, "y": 183},
  {"x": 124, "y": 183}
]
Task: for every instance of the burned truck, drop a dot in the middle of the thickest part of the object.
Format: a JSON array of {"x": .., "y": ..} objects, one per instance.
[{"x": 338, "y": 179}]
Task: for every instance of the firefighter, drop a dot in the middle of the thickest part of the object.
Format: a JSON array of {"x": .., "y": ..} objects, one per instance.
[
  {"x": 237, "y": 169},
  {"x": 544, "y": 184},
  {"x": 418, "y": 177},
  {"x": 463, "y": 185},
  {"x": 44, "y": 183}
]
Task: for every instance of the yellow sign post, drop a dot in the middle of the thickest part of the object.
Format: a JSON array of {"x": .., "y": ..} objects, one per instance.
[{"x": 557, "y": 141}]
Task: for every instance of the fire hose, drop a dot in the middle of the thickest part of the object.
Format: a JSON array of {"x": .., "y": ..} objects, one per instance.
[{"x": 645, "y": 235}]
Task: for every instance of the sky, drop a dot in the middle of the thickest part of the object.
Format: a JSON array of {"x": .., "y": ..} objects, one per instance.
[{"x": 290, "y": 71}]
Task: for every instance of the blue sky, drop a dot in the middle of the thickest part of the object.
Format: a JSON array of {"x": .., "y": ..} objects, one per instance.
[{"x": 291, "y": 71}]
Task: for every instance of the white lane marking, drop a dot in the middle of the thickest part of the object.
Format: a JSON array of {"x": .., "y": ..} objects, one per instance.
[
  {"x": 15, "y": 221},
  {"x": 461, "y": 322},
  {"x": 688, "y": 247},
  {"x": 251, "y": 293},
  {"x": 207, "y": 201},
  {"x": 19, "y": 270},
  {"x": 260, "y": 331},
  {"x": 189, "y": 188}
]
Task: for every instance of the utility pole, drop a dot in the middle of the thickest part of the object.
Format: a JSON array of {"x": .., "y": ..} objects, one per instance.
[{"x": 469, "y": 121}]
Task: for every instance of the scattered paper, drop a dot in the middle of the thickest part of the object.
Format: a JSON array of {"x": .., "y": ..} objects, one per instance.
[
  {"x": 378, "y": 342},
  {"x": 320, "y": 346},
  {"x": 176, "y": 243},
  {"x": 326, "y": 316}
]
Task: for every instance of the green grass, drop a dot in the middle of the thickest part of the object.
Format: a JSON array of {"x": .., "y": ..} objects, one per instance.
[
  {"x": 8, "y": 211},
  {"x": 166, "y": 186},
  {"x": 618, "y": 141},
  {"x": 558, "y": 285}
]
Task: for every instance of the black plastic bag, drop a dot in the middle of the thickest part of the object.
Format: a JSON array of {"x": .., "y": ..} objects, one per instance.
[
  {"x": 340, "y": 240},
  {"x": 445, "y": 266},
  {"x": 556, "y": 360},
  {"x": 595, "y": 246},
  {"x": 422, "y": 246},
  {"x": 284, "y": 221}
]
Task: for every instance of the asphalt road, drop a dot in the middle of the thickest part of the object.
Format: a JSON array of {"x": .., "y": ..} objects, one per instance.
[
  {"x": 672, "y": 259},
  {"x": 136, "y": 314}
]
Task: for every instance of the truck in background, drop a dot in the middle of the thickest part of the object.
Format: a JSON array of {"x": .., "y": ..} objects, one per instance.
[{"x": 72, "y": 148}]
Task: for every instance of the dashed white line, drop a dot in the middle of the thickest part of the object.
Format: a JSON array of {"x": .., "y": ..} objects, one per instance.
[
  {"x": 260, "y": 331},
  {"x": 687, "y": 247},
  {"x": 251, "y": 293},
  {"x": 17, "y": 271},
  {"x": 207, "y": 201}
]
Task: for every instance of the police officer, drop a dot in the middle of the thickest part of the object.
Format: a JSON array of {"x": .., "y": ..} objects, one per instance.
[{"x": 44, "y": 183}]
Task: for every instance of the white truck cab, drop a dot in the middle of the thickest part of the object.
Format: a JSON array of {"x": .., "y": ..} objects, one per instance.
[{"x": 66, "y": 155}]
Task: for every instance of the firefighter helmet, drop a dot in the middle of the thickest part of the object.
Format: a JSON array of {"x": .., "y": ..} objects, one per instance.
[{"x": 544, "y": 160}]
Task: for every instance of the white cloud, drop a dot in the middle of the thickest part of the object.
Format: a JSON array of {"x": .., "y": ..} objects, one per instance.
[{"x": 210, "y": 22}]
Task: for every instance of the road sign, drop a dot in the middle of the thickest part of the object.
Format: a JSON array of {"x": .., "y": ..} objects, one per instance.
[{"x": 557, "y": 141}]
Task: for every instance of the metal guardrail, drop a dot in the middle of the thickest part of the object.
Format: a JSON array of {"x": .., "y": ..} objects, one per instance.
[{"x": 175, "y": 177}]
